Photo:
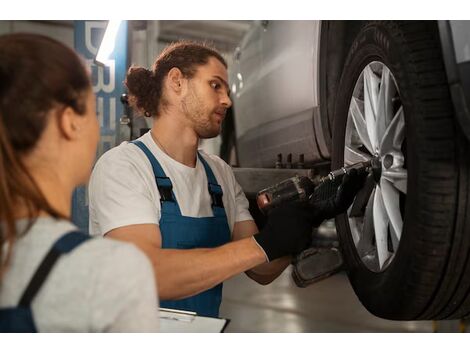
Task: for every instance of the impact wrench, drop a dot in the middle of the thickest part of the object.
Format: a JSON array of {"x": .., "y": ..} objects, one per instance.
[{"x": 313, "y": 264}]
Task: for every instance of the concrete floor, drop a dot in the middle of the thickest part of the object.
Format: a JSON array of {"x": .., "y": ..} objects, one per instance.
[{"x": 327, "y": 306}]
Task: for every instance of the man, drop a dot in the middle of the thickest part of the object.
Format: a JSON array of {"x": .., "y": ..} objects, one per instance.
[{"x": 184, "y": 209}]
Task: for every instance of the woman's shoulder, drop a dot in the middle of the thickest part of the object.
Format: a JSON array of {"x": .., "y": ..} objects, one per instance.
[
  {"x": 120, "y": 254},
  {"x": 100, "y": 259},
  {"x": 96, "y": 251}
]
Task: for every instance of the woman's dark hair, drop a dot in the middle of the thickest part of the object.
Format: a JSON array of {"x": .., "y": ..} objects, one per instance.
[
  {"x": 145, "y": 86},
  {"x": 37, "y": 74}
]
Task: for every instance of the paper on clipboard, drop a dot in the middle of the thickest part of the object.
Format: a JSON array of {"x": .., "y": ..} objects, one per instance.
[{"x": 172, "y": 320}]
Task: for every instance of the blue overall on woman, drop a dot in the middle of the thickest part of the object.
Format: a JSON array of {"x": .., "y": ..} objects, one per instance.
[
  {"x": 20, "y": 318},
  {"x": 184, "y": 232}
]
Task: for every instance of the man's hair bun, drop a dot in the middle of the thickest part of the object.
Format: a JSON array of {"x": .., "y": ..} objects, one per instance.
[{"x": 143, "y": 92}]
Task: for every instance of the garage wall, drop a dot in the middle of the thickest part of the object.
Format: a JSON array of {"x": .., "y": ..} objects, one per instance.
[
  {"x": 59, "y": 30},
  {"x": 147, "y": 41}
]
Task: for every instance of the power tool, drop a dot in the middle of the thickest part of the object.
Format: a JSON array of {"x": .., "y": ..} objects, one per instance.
[
  {"x": 303, "y": 188},
  {"x": 313, "y": 264}
]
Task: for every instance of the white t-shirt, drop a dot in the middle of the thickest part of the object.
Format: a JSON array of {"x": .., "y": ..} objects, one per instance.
[
  {"x": 103, "y": 285},
  {"x": 123, "y": 191}
]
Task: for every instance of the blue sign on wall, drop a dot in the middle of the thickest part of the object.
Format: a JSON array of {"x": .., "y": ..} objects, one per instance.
[{"x": 108, "y": 87}]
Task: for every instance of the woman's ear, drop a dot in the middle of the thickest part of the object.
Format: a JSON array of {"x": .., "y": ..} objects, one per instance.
[{"x": 69, "y": 123}]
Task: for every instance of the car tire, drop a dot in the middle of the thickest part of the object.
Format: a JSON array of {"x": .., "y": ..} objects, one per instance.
[{"x": 428, "y": 275}]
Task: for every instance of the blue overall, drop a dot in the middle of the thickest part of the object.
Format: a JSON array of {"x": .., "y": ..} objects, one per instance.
[
  {"x": 184, "y": 232},
  {"x": 20, "y": 318}
]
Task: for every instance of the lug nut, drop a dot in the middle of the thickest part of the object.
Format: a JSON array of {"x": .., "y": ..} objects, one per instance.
[{"x": 387, "y": 161}]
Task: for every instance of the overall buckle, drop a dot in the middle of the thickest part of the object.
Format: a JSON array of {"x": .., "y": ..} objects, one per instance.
[
  {"x": 216, "y": 194},
  {"x": 165, "y": 188}
]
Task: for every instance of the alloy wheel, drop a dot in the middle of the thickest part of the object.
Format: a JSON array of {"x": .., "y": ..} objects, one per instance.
[{"x": 375, "y": 129}]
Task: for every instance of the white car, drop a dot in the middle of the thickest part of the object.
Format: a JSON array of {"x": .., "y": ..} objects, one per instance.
[{"x": 339, "y": 92}]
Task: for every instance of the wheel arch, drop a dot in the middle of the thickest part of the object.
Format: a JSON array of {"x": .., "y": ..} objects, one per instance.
[{"x": 336, "y": 37}]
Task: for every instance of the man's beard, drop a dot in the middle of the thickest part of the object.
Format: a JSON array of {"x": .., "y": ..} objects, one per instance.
[
  {"x": 206, "y": 133},
  {"x": 197, "y": 112}
]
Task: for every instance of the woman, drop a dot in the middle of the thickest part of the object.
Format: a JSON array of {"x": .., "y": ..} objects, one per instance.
[{"x": 48, "y": 139}]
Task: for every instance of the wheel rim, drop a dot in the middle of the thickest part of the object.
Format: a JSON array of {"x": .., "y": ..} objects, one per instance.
[{"x": 375, "y": 129}]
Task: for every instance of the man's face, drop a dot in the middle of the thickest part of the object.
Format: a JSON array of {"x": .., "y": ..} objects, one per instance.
[{"x": 207, "y": 100}]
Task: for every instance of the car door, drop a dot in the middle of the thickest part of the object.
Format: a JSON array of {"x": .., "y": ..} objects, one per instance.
[{"x": 275, "y": 92}]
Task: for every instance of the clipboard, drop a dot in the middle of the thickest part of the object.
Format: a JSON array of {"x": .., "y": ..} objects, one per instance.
[{"x": 172, "y": 320}]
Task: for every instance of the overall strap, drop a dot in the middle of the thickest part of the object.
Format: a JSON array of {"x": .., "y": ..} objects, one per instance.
[
  {"x": 63, "y": 245},
  {"x": 164, "y": 185},
  {"x": 215, "y": 190}
]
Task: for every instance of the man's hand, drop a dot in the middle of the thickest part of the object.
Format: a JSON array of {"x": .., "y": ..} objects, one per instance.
[
  {"x": 330, "y": 200},
  {"x": 288, "y": 230}
]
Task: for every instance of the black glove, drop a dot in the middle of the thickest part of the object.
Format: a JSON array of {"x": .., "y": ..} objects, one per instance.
[
  {"x": 288, "y": 230},
  {"x": 332, "y": 198}
]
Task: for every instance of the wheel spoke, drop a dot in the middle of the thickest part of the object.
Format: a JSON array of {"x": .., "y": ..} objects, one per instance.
[
  {"x": 356, "y": 108},
  {"x": 352, "y": 155},
  {"x": 384, "y": 104},
  {"x": 365, "y": 244},
  {"x": 391, "y": 199},
  {"x": 380, "y": 227},
  {"x": 371, "y": 84},
  {"x": 395, "y": 239},
  {"x": 394, "y": 134},
  {"x": 398, "y": 177}
]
